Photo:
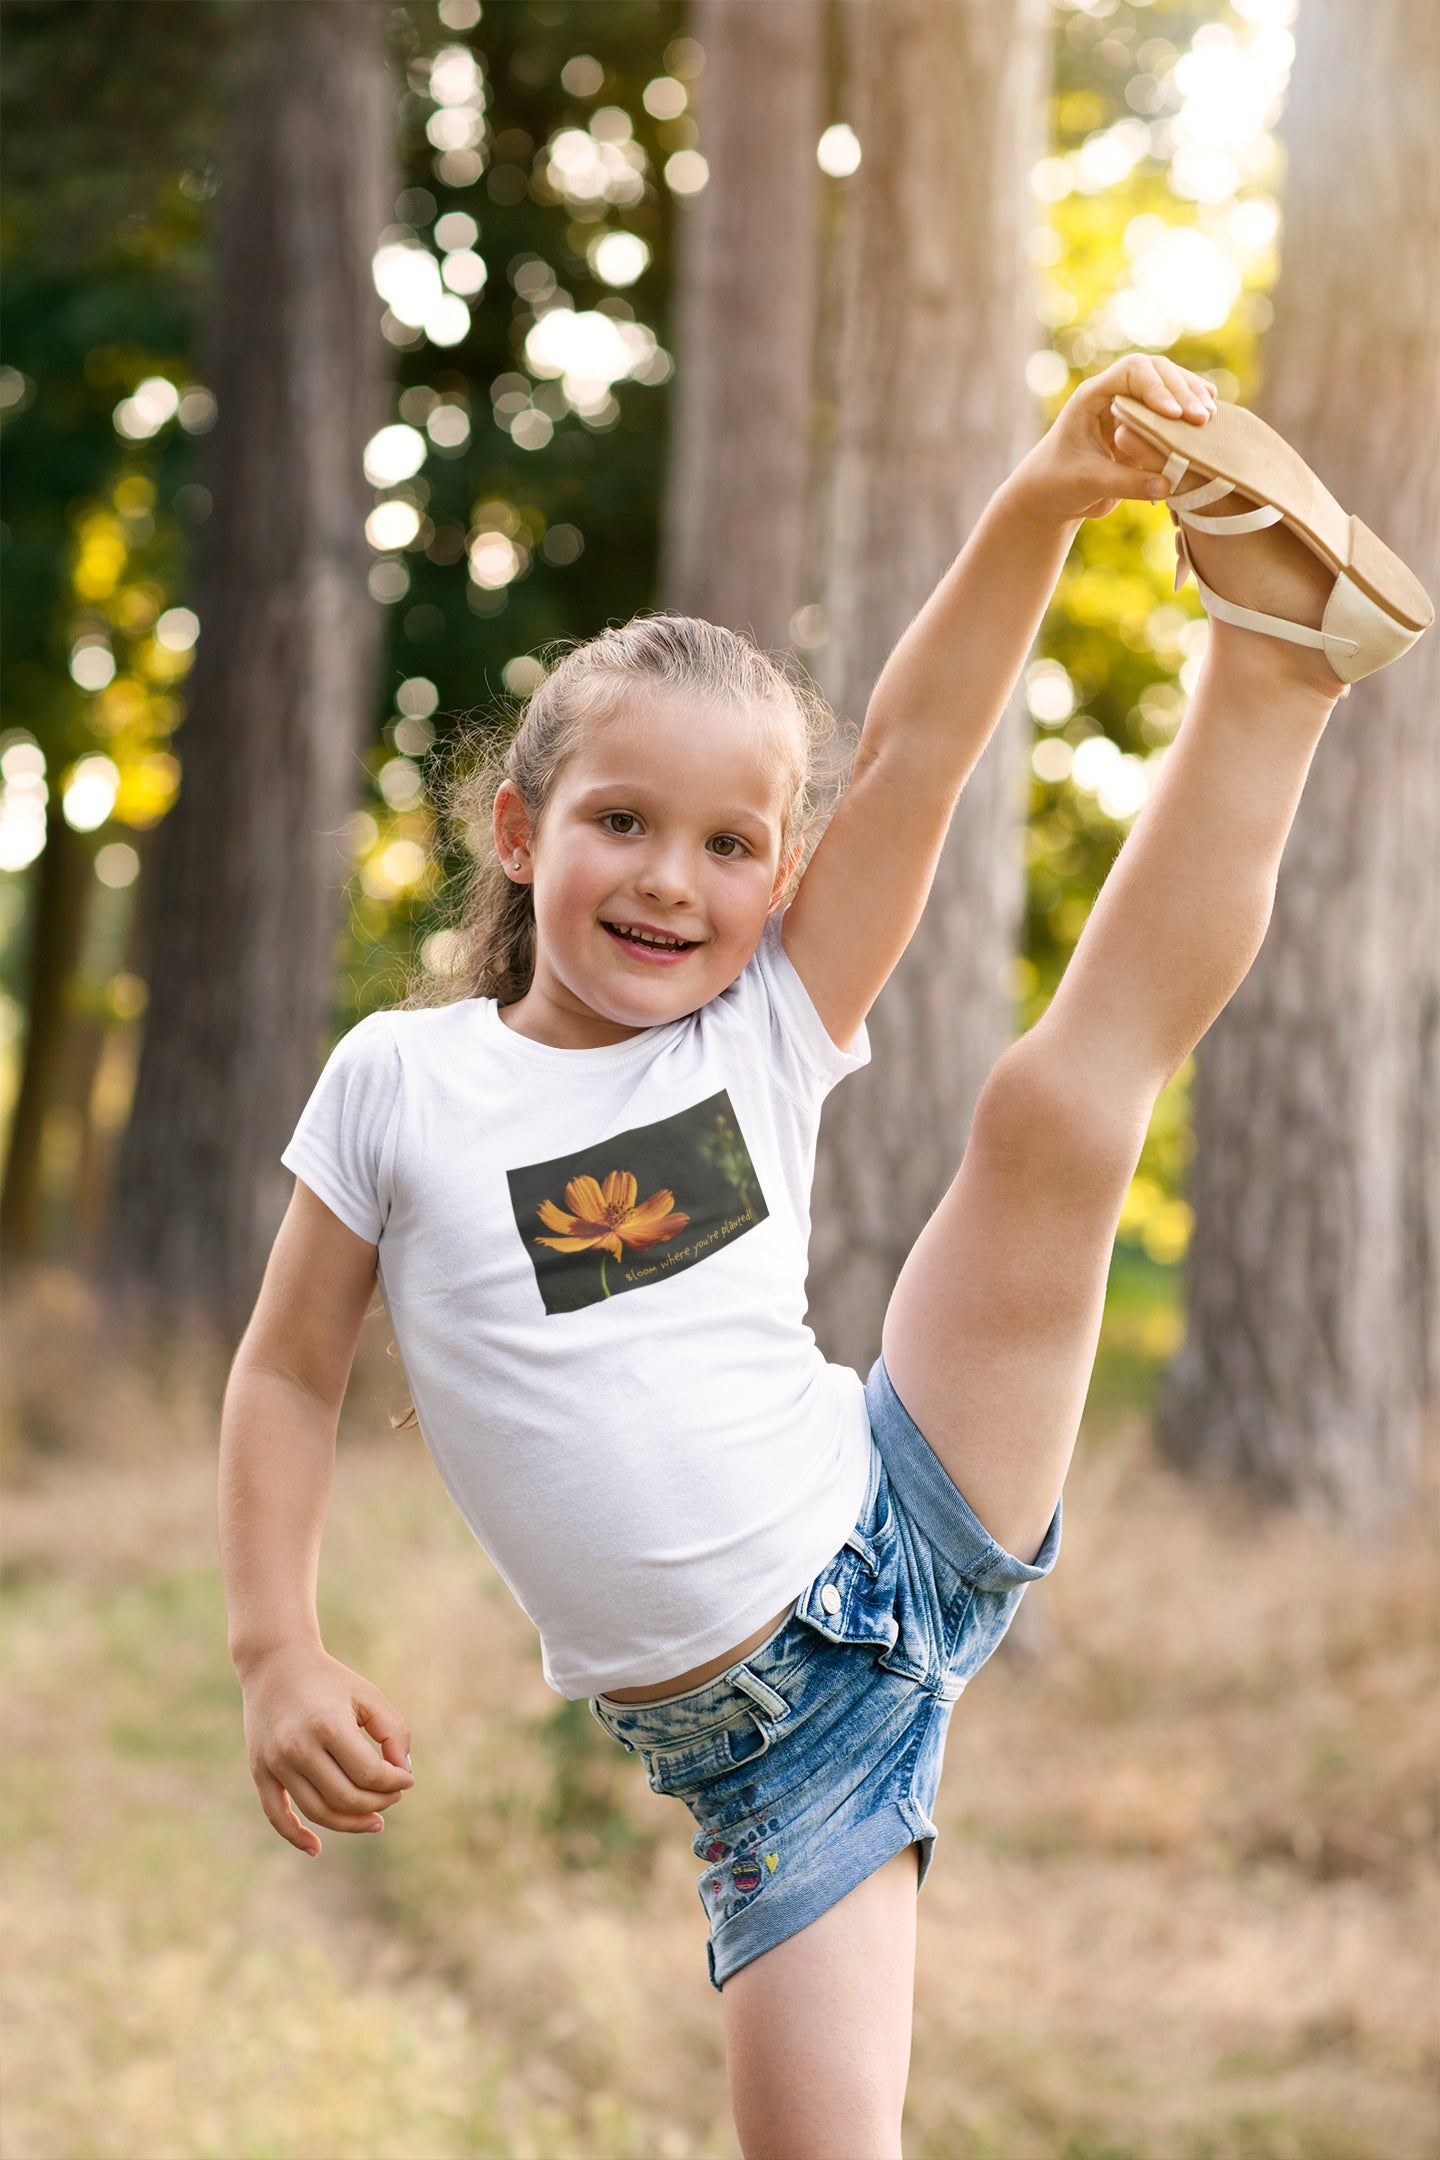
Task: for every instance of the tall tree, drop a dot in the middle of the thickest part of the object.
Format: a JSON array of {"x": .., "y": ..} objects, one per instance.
[
  {"x": 245, "y": 903},
  {"x": 101, "y": 107},
  {"x": 1314, "y": 1324},
  {"x": 734, "y": 537},
  {"x": 933, "y": 412}
]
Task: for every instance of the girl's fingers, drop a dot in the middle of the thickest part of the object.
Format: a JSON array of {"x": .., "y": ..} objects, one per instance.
[
  {"x": 347, "y": 1795},
  {"x": 359, "y": 1761},
  {"x": 1194, "y": 393},
  {"x": 365, "y": 1771},
  {"x": 325, "y": 1758},
  {"x": 281, "y": 1816},
  {"x": 1136, "y": 451},
  {"x": 1157, "y": 382},
  {"x": 1132, "y": 483},
  {"x": 313, "y": 1804},
  {"x": 385, "y": 1724}
]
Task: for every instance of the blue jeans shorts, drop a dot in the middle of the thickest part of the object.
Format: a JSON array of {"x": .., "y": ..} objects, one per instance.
[{"x": 817, "y": 1758}]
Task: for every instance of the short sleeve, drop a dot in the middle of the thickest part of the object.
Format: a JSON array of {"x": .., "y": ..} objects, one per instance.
[
  {"x": 805, "y": 1060},
  {"x": 339, "y": 1146}
]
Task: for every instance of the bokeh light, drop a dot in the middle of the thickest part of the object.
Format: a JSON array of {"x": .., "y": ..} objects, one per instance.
[
  {"x": 665, "y": 98},
  {"x": 146, "y": 410},
  {"x": 1049, "y": 692},
  {"x": 596, "y": 164},
  {"x": 417, "y": 697},
  {"x": 686, "y": 172},
  {"x": 117, "y": 864},
  {"x": 448, "y": 425},
  {"x": 456, "y": 229},
  {"x": 494, "y": 560},
  {"x": 92, "y": 664},
  {"x": 178, "y": 629},
  {"x": 465, "y": 273},
  {"x": 24, "y": 793},
  {"x": 395, "y": 453},
  {"x": 838, "y": 151},
  {"x": 88, "y": 792},
  {"x": 618, "y": 258},
  {"x": 392, "y": 524},
  {"x": 523, "y": 675}
]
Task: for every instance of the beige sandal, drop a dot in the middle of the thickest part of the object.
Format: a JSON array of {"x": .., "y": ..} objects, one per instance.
[{"x": 1377, "y": 608}]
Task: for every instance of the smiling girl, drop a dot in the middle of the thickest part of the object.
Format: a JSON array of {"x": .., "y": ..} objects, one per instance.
[{"x": 583, "y": 1176}]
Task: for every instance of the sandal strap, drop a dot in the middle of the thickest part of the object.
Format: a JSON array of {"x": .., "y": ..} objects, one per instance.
[
  {"x": 1184, "y": 506},
  {"x": 1244, "y": 522},
  {"x": 1244, "y": 618},
  {"x": 1197, "y": 498}
]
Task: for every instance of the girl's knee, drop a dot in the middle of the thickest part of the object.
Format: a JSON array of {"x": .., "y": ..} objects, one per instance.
[{"x": 1044, "y": 1114}]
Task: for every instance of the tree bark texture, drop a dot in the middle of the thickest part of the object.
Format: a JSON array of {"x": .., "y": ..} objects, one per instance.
[
  {"x": 250, "y": 865},
  {"x": 64, "y": 879},
  {"x": 747, "y": 275},
  {"x": 933, "y": 412},
  {"x": 1314, "y": 1322}
]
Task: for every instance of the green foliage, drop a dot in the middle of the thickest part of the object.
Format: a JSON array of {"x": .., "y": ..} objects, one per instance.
[
  {"x": 113, "y": 157},
  {"x": 604, "y": 482},
  {"x": 1129, "y": 645}
]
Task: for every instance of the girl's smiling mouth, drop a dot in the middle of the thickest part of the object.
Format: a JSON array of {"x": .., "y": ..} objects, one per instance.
[{"x": 656, "y": 946}]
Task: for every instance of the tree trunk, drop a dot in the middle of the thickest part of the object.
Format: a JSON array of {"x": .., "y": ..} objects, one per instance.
[
  {"x": 933, "y": 412},
  {"x": 745, "y": 316},
  {"x": 64, "y": 881},
  {"x": 245, "y": 911},
  {"x": 1314, "y": 1296}
]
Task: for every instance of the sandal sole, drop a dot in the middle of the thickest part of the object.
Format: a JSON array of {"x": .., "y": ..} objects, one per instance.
[{"x": 1234, "y": 444}]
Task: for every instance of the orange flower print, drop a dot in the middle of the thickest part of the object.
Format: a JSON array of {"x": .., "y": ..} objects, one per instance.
[{"x": 605, "y": 1219}]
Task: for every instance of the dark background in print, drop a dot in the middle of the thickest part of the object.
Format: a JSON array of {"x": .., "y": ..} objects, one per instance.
[{"x": 699, "y": 1155}]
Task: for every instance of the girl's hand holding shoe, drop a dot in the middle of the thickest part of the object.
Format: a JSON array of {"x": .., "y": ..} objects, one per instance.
[
  {"x": 305, "y": 1714},
  {"x": 1076, "y": 470}
]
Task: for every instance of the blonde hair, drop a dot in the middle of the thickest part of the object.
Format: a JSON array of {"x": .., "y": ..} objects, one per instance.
[{"x": 489, "y": 943}]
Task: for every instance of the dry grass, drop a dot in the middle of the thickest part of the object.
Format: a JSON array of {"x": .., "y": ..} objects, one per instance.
[{"x": 1182, "y": 1907}]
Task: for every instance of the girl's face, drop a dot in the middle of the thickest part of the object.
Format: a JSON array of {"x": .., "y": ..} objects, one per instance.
[{"x": 666, "y": 820}]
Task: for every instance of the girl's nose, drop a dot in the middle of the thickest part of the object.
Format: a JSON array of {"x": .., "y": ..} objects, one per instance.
[{"x": 667, "y": 878}]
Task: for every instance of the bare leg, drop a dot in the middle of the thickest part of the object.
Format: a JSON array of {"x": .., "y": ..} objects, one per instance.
[
  {"x": 991, "y": 1329},
  {"x": 817, "y": 2030}
]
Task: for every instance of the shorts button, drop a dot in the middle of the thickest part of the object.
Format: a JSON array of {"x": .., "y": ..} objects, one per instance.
[{"x": 830, "y": 1598}]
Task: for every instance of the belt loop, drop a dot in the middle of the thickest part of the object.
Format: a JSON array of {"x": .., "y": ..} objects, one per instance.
[
  {"x": 751, "y": 1684},
  {"x": 594, "y": 1708}
]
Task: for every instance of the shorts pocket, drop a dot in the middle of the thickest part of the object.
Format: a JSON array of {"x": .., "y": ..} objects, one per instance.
[
  {"x": 853, "y": 1598},
  {"x": 681, "y": 1770}
]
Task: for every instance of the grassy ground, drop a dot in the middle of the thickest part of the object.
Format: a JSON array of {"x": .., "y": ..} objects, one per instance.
[{"x": 1182, "y": 1906}]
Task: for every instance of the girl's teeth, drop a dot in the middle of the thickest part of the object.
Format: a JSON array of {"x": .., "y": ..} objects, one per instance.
[{"x": 635, "y": 937}]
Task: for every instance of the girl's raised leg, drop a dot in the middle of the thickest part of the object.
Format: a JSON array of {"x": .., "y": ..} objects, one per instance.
[
  {"x": 991, "y": 1329},
  {"x": 817, "y": 2030}
]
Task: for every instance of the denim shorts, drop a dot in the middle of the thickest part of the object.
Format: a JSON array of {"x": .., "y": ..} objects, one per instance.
[{"x": 817, "y": 1758}]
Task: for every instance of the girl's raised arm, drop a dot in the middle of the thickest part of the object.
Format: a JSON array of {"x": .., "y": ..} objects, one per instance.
[
  {"x": 944, "y": 687},
  {"x": 305, "y": 1712}
]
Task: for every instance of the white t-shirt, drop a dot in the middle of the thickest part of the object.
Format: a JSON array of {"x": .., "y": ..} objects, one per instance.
[{"x": 643, "y": 1434}]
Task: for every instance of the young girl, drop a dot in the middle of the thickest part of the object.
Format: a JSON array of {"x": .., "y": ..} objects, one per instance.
[{"x": 584, "y": 1184}]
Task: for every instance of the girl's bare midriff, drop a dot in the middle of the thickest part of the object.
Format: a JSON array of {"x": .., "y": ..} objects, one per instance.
[{"x": 701, "y": 1673}]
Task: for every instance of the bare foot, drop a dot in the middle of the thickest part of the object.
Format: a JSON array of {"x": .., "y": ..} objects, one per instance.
[{"x": 1272, "y": 571}]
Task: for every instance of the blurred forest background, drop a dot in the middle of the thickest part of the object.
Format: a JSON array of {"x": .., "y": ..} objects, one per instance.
[{"x": 353, "y": 351}]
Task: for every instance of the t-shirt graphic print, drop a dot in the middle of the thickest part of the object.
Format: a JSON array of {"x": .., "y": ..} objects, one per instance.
[{"x": 637, "y": 1207}]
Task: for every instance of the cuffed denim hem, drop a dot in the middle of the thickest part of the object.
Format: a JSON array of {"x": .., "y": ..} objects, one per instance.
[{"x": 936, "y": 1503}]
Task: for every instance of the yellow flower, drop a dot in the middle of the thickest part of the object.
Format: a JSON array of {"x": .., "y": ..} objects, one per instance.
[{"x": 606, "y": 1219}]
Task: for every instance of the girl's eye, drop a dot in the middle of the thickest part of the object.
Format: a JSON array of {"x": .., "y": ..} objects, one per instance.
[
  {"x": 735, "y": 847},
  {"x": 620, "y": 814}
]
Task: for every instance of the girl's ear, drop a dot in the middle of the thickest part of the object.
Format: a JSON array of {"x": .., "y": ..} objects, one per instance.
[
  {"x": 786, "y": 870},
  {"x": 511, "y": 824}
]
